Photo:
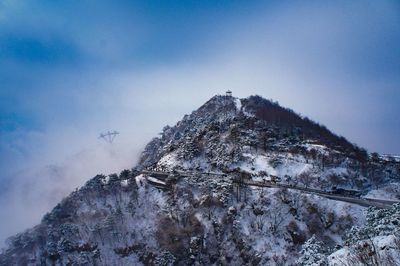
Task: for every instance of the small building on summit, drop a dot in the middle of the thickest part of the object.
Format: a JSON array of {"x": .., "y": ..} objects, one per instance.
[{"x": 229, "y": 93}]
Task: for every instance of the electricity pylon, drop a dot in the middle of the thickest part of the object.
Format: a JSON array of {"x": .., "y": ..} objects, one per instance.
[{"x": 109, "y": 136}]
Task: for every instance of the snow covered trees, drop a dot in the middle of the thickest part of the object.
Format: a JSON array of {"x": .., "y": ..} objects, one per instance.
[
  {"x": 123, "y": 220},
  {"x": 380, "y": 222},
  {"x": 313, "y": 253},
  {"x": 165, "y": 259},
  {"x": 376, "y": 243}
]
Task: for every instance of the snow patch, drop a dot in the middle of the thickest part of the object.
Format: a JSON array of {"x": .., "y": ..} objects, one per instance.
[
  {"x": 238, "y": 104},
  {"x": 105, "y": 180},
  {"x": 125, "y": 183},
  {"x": 139, "y": 180},
  {"x": 168, "y": 161},
  {"x": 390, "y": 191},
  {"x": 155, "y": 180},
  {"x": 321, "y": 149},
  {"x": 386, "y": 247}
]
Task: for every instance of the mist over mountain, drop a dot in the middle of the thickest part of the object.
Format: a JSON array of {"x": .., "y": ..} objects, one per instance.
[{"x": 182, "y": 203}]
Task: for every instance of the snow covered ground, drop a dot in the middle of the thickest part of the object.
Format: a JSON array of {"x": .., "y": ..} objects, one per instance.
[
  {"x": 389, "y": 191},
  {"x": 381, "y": 250}
]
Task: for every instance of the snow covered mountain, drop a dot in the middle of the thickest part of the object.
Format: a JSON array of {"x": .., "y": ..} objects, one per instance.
[{"x": 199, "y": 215}]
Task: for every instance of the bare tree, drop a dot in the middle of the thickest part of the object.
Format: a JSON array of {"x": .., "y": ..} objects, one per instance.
[
  {"x": 305, "y": 179},
  {"x": 276, "y": 216}
]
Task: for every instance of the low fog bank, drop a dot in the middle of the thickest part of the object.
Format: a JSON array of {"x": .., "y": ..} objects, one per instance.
[{"x": 33, "y": 192}]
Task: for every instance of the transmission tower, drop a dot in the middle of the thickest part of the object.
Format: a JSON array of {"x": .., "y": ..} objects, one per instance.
[{"x": 109, "y": 136}]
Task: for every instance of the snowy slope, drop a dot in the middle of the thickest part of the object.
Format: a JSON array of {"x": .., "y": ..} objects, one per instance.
[{"x": 205, "y": 219}]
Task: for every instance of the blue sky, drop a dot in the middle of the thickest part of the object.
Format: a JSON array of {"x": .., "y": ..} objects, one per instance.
[{"x": 71, "y": 69}]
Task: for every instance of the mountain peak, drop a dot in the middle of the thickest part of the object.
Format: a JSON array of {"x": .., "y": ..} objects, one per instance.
[
  {"x": 199, "y": 215},
  {"x": 232, "y": 124}
]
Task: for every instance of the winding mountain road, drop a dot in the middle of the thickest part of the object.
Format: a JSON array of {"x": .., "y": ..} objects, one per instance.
[{"x": 365, "y": 202}]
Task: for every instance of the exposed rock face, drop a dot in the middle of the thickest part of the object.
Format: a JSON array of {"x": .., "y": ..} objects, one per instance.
[{"x": 205, "y": 219}]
